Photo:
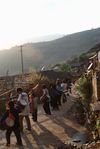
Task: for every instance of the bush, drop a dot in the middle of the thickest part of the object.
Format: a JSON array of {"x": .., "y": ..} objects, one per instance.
[{"x": 84, "y": 89}]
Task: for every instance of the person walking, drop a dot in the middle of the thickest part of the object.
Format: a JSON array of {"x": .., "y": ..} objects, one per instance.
[
  {"x": 13, "y": 124},
  {"x": 34, "y": 105},
  {"x": 45, "y": 98},
  {"x": 59, "y": 90},
  {"x": 64, "y": 89},
  {"x": 54, "y": 97},
  {"x": 23, "y": 98}
]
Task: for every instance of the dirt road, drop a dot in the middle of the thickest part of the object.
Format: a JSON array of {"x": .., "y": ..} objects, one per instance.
[{"x": 49, "y": 131}]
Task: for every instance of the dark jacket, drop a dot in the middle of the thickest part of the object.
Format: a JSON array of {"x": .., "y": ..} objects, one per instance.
[{"x": 15, "y": 113}]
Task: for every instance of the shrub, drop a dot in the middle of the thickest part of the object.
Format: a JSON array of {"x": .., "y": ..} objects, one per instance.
[{"x": 84, "y": 89}]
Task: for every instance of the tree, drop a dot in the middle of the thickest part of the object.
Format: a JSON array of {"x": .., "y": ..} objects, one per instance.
[
  {"x": 65, "y": 67},
  {"x": 82, "y": 57},
  {"x": 84, "y": 89}
]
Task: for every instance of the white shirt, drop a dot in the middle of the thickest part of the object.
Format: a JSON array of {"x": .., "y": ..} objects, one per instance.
[
  {"x": 46, "y": 92},
  {"x": 23, "y": 98},
  {"x": 64, "y": 86}
]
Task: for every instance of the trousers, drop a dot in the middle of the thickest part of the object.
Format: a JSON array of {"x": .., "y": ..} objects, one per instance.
[{"x": 17, "y": 134}]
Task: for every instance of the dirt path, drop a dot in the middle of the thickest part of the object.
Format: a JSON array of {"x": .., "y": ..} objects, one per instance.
[{"x": 49, "y": 131}]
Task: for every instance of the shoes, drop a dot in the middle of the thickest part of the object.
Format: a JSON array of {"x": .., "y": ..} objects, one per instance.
[
  {"x": 34, "y": 120},
  {"x": 8, "y": 145},
  {"x": 19, "y": 144}
]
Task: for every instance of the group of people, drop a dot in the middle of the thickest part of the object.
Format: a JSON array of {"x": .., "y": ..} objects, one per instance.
[
  {"x": 55, "y": 95},
  {"x": 28, "y": 103},
  {"x": 16, "y": 110}
]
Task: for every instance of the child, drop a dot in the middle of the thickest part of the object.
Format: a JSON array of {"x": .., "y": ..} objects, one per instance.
[
  {"x": 14, "y": 113},
  {"x": 34, "y": 106}
]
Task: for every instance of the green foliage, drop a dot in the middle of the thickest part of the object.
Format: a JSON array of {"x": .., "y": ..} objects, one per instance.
[
  {"x": 74, "y": 59},
  {"x": 65, "y": 67},
  {"x": 83, "y": 57},
  {"x": 84, "y": 89},
  {"x": 77, "y": 59}
]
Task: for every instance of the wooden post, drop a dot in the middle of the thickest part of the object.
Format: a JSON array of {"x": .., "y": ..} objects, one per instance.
[{"x": 94, "y": 85}]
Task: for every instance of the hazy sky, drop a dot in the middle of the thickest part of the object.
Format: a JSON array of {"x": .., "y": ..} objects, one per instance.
[{"x": 21, "y": 20}]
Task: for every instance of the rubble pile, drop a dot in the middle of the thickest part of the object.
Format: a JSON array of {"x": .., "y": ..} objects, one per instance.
[
  {"x": 68, "y": 146},
  {"x": 92, "y": 145}
]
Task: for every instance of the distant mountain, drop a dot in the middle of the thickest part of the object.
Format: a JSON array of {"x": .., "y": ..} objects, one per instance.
[
  {"x": 45, "y": 38},
  {"x": 48, "y": 53}
]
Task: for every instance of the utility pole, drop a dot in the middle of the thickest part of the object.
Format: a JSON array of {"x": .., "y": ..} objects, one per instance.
[{"x": 22, "y": 65}]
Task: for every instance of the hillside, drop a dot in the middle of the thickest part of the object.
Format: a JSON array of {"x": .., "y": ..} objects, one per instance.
[{"x": 48, "y": 53}]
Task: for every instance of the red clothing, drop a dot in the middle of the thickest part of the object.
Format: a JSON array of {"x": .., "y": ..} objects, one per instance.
[{"x": 38, "y": 90}]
